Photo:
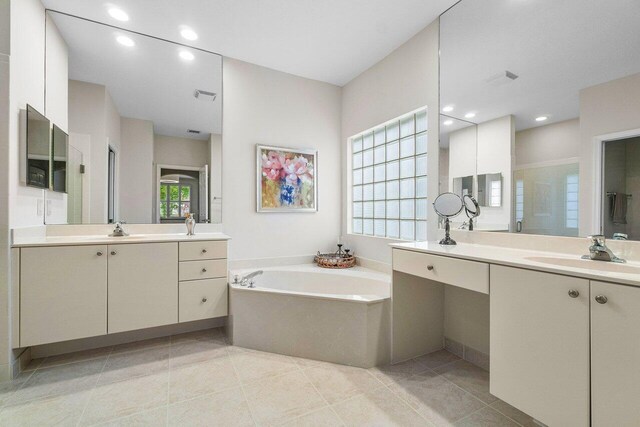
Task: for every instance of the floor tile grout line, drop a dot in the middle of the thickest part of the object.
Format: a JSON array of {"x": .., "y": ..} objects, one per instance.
[
  {"x": 470, "y": 414},
  {"x": 244, "y": 393},
  {"x": 507, "y": 416},
  {"x": 92, "y": 391},
  {"x": 466, "y": 391},
  {"x": 408, "y": 404},
  {"x": 323, "y": 398}
]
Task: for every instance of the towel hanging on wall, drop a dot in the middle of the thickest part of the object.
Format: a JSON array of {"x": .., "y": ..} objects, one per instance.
[{"x": 619, "y": 207}]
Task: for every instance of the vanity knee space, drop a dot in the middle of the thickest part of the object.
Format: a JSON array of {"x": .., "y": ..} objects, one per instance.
[{"x": 563, "y": 344}]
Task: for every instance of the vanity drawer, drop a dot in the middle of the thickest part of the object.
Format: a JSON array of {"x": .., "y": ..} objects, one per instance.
[
  {"x": 202, "y": 299},
  {"x": 452, "y": 271},
  {"x": 209, "y": 269},
  {"x": 194, "y": 251}
]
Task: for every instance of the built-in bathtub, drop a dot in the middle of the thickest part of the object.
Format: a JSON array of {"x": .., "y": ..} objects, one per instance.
[{"x": 339, "y": 316}]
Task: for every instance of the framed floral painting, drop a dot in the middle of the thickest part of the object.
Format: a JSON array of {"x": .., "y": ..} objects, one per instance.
[{"x": 287, "y": 179}]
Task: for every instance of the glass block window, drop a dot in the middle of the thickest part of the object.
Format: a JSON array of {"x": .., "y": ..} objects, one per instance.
[
  {"x": 519, "y": 200},
  {"x": 572, "y": 201},
  {"x": 389, "y": 179}
]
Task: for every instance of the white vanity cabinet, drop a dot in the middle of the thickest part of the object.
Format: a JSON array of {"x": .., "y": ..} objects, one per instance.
[
  {"x": 63, "y": 293},
  {"x": 143, "y": 285},
  {"x": 539, "y": 342},
  {"x": 72, "y": 291},
  {"x": 615, "y": 355}
]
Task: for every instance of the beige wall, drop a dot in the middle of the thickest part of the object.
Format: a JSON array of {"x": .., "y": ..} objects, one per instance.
[
  {"x": 170, "y": 150},
  {"x": 405, "y": 80},
  {"x": 548, "y": 145},
  {"x": 495, "y": 155},
  {"x": 22, "y": 82},
  {"x": 87, "y": 116},
  {"x": 604, "y": 109},
  {"x": 5, "y": 273},
  {"x": 263, "y": 106},
  {"x": 137, "y": 173}
]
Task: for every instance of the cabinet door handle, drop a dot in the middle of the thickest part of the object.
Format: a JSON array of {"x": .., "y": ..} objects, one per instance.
[
  {"x": 601, "y": 299},
  {"x": 573, "y": 293},
  {"x": 204, "y": 270},
  {"x": 113, "y": 252},
  {"x": 204, "y": 299},
  {"x": 99, "y": 253},
  {"x": 430, "y": 267}
]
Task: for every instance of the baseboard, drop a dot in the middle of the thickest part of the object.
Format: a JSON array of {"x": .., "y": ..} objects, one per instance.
[
  {"x": 55, "y": 349},
  {"x": 471, "y": 355}
]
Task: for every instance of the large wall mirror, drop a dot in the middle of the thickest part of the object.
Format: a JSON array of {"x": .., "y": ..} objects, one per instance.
[
  {"x": 544, "y": 116},
  {"x": 145, "y": 126}
]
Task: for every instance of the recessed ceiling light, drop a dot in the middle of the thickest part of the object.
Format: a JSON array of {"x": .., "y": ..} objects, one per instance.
[
  {"x": 125, "y": 41},
  {"x": 447, "y": 122},
  {"x": 448, "y": 109},
  {"x": 189, "y": 34},
  {"x": 541, "y": 118},
  {"x": 118, "y": 14},
  {"x": 470, "y": 115},
  {"x": 186, "y": 55}
]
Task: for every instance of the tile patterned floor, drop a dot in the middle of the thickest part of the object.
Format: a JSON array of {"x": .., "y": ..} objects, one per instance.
[{"x": 198, "y": 379}]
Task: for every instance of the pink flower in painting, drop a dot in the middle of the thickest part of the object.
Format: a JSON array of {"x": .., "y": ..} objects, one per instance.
[
  {"x": 272, "y": 165},
  {"x": 296, "y": 168}
]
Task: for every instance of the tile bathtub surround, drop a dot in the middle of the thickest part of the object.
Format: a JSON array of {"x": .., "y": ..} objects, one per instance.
[{"x": 199, "y": 379}]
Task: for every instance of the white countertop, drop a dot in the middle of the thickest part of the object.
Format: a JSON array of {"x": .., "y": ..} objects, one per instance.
[
  {"x": 552, "y": 262},
  {"x": 25, "y": 242}
]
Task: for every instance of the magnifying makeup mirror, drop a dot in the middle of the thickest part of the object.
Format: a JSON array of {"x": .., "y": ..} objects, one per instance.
[
  {"x": 448, "y": 205},
  {"x": 471, "y": 208}
]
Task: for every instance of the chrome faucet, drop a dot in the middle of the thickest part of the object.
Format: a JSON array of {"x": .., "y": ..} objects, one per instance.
[
  {"x": 248, "y": 278},
  {"x": 598, "y": 251},
  {"x": 118, "y": 231}
]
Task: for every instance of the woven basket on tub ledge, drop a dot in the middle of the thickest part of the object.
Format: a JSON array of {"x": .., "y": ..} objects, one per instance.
[{"x": 339, "y": 259}]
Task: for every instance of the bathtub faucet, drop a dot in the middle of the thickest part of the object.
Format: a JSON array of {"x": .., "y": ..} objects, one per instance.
[{"x": 247, "y": 279}]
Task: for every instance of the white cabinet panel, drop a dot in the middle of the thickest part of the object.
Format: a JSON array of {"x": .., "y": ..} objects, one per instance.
[
  {"x": 540, "y": 344},
  {"x": 208, "y": 269},
  {"x": 466, "y": 274},
  {"x": 194, "y": 251},
  {"x": 63, "y": 293},
  {"x": 615, "y": 355},
  {"x": 143, "y": 286},
  {"x": 203, "y": 299}
]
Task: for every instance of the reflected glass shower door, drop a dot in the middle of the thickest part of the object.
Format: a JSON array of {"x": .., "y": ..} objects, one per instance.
[
  {"x": 74, "y": 186},
  {"x": 546, "y": 200}
]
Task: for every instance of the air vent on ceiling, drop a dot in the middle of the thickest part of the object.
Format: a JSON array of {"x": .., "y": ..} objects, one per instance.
[
  {"x": 502, "y": 78},
  {"x": 204, "y": 95},
  {"x": 197, "y": 132}
]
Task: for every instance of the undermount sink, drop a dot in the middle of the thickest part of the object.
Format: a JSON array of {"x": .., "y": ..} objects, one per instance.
[{"x": 587, "y": 264}]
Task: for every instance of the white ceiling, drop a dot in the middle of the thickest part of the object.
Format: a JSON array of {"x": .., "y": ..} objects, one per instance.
[
  {"x": 148, "y": 81},
  {"x": 556, "y": 48},
  {"x": 327, "y": 40}
]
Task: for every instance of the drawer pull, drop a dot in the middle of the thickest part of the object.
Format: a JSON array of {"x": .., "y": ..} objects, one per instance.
[
  {"x": 99, "y": 253},
  {"x": 113, "y": 252},
  {"x": 573, "y": 293},
  {"x": 204, "y": 251},
  {"x": 204, "y": 299},
  {"x": 204, "y": 270},
  {"x": 430, "y": 267},
  {"x": 601, "y": 299}
]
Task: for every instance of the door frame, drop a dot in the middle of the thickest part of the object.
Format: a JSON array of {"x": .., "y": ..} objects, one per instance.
[
  {"x": 598, "y": 173},
  {"x": 159, "y": 168}
]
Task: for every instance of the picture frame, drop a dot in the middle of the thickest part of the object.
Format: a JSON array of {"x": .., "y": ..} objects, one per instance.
[{"x": 286, "y": 179}]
